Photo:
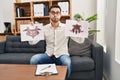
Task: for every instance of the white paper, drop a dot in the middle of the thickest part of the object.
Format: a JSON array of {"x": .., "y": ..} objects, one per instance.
[
  {"x": 31, "y": 32},
  {"x": 2, "y": 27},
  {"x": 51, "y": 68},
  {"x": 83, "y": 27}
]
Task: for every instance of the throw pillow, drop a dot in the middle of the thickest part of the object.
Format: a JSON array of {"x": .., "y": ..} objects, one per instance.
[{"x": 80, "y": 49}]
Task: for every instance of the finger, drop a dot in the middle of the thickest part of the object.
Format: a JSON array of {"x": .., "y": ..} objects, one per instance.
[
  {"x": 79, "y": 31},
  {"x": 76, "y": 31},
  {"x": 32, "y": 23}
]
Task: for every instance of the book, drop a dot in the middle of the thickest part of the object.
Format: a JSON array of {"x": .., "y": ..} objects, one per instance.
[
  {"x": 46, "y": 10},
  {"x": 32, "y": 32},
  {"x": 46, "y": 69},
  {"x": 38, "y": 10},
  {"x": 64, "y": 7},
  {"x": 20, "y": 12},
  {"x": 76, "y": 29}
]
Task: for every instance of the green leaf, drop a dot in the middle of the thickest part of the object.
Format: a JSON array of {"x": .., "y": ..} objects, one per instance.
[
  {"x": 92, "y": 18},
  {"x": 77, "y": 16},
  {"x": 93, "y": 31}
]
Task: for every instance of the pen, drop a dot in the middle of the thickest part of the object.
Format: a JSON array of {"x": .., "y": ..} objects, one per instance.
[{"x": 45, "y": 67}]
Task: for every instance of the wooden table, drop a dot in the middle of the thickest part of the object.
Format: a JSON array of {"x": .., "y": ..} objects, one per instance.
[{"x": 27, "y": 72}]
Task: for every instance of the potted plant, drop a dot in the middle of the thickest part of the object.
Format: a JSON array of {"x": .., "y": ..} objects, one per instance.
[{"x": 91, "y": 32}]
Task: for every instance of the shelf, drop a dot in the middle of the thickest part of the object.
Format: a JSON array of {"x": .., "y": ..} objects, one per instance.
[
  {"x": 28, "y": 10},
  {"x": 17, "y": 18},
  {"x": 8, "y": 33},
  {"x": 42, "y": 17}
]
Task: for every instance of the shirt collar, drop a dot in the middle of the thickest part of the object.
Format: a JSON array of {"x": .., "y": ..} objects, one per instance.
[{"x": 60, "y": 24}]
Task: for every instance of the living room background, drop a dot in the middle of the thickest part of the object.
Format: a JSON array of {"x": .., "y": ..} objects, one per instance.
[
  {"x": 86, "y": 9},
  {"x": 111, "y": 66}
]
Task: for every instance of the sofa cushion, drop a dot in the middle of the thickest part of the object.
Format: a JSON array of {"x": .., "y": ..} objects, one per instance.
[
  {"x": 2, "y": 45},
  {"x": 14, "y": 45},
  {"x": 82, "y": 63},
  {"x": 16, "y": 58},
  {"x": 83, "y": 75},
  {"x": 83, "y": 49}
]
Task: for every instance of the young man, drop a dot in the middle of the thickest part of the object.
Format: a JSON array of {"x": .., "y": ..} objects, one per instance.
[{"x": 56, "y": 41}]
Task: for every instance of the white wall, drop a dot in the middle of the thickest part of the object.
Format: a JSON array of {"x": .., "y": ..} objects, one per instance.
[
  {"x": 6, "y": 11},
  {"x": 101, "y": 10},
  {"x": 86, "y": 8},
  {"x": 111, "y": 67},
  {"x": 117, "y": 42}
]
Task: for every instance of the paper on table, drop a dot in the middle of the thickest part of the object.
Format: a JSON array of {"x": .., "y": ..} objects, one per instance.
[
  {"x": 70, "y": 26},
  {"x": 46, "y": 68},
  {"x": 31, "y": 32}
]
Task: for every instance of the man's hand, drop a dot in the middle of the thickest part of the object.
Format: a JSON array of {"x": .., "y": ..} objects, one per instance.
[{"x": 76, "y": 29}]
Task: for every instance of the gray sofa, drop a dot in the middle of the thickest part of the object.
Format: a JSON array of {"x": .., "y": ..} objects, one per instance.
[{"x": 87, "y": 66}]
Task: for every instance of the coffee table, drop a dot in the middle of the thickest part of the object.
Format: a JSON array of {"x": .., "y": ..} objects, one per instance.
[{"x": 27, "y": 72}]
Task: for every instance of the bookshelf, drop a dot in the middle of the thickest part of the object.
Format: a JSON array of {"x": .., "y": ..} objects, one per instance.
[{"x": 29, "y": 12}]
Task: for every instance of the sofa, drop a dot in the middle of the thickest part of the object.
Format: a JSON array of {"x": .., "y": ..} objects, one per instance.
[{"x": 86, "y": 65}]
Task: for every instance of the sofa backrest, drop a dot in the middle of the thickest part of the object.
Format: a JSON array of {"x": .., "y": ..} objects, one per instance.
[{"x": 14, "y": 45}]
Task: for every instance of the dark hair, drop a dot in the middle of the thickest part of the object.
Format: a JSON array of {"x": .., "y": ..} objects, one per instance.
[{"x": 54, "y": 6}]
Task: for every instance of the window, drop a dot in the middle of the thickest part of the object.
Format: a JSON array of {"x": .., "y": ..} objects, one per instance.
[{"x": 117, "y": 40}]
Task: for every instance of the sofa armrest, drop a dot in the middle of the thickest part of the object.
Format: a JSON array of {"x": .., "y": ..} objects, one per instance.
[
  {"x": 97, "y": 55},
  {"x": 2, "y": 45}
]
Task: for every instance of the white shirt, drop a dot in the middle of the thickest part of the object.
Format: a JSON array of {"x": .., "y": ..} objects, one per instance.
[{"x": 56, "y": 41}]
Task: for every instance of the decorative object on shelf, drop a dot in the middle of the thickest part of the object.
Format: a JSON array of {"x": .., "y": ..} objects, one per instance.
[{"x": 7, "y": 27}]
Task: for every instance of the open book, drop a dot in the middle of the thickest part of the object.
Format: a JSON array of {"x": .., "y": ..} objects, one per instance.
[{"x": 46, "y": 69}]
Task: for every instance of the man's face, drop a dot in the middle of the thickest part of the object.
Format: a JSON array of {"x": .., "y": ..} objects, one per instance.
[{"x": 55, "y": 15}]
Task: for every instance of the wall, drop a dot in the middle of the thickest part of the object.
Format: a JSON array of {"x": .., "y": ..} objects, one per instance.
[
  {"x": 78, "y": 6},
  {"x": 86, "y": 8},
  {"x": 101, "y": 9},
  {"x": 117, "y": 42},
  {"x": 111, "y": 67},
  {"x": 6, "y": 11}
]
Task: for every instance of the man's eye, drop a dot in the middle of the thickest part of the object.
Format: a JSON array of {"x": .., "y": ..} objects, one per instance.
[{"x": 52, "y": 12}]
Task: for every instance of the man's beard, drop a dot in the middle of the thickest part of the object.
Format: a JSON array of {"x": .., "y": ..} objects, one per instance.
[{"x": 55, "y": 20}]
